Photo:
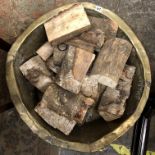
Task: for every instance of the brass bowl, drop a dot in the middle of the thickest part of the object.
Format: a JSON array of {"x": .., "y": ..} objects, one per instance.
[{"x": 93, "y": 136}]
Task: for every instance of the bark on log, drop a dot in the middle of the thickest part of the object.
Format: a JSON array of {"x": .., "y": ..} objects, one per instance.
[
  {"x": 67, "y": 24},
  {"x": 110, "y": 62},
  {"x": 37, "y": 73},
  {"x": 107, "y": 26},
  {"x": 113, "y": 101},
  {"x": 54, "y": 119},
  {"x": 65, "y": 103},
  {"x": 45, "y": 51}
]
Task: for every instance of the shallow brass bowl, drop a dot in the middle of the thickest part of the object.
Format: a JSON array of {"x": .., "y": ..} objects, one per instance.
[{"x": 93, "y": 136}]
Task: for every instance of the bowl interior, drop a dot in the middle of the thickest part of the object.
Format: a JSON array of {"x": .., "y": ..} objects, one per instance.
[{"x": 89, "y": 132}]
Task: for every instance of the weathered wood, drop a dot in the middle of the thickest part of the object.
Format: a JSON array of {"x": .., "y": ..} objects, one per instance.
[
  {"x": 113, "y": 101},
  {"x": 59, "y": 3},
  {"x": 37, "y": 73},
  {"x": 107, "y": 26},
  {"x": 82, "y": 62},
  {"x": 77, "y": 42},
  {"x": 67, "y": 24},
  {"x": 67, "y": 104},
  {"x": 66, "y": 78},
  {"x": 54, "y": 119},
  {"x": 45, "y": 51},
  {"x": 94, "y": 36},
  {"x": 110, "y": 62}
]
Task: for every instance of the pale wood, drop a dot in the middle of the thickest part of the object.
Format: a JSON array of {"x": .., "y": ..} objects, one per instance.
[
  {"x": 66, "y": 78},
  {"x": 110, "y": 62},
  {"x": 54, "y": 119},
  {"x": 82, "y": 62},
  {"x": 77, "y": 42},
  {"x": 37, "y": 73},
  {"x": 67, "y": 104},
  {"x": 67, "y": 24},
  {"x": 107, "y": 26},
  {"x": 113, "y": 101},
  {"x": 45, "y": 51}
]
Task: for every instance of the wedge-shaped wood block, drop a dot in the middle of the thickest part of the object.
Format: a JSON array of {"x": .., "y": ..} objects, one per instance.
[
  {"x": 54, "y": 119},
  {"x": 67, "y": 104},
  {"x": 111, "y": 61},
  {"x": 45, "y": 51},
  {"x": 67, "y": 24},
  {"x": 37, "y": 73},
  {"x": 113, "y": 101}
]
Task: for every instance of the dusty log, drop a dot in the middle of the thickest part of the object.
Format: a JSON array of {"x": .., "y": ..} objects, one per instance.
[
  {"x": 77, "y": 42},
  {"x": 45, "y": 51},
  {"x": 107, "y": 26},
  {"x": 113, "y": 101},
  {"x": 67, "y": 104},
  {"x": 54, "y": 119},
  {"x": 37, "y": 73},
  {"x": 67, "y": 24},
  {"x": 110, "y": 62},
  {"x": 82, "y": 62},
  {"x": 94, "y": 36}
]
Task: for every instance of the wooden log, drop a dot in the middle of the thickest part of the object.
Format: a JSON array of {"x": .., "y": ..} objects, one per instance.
[
  {"x": 59, "y": 3},
  {"x": 77, "y": 42},
  {"x": 67, "y": 24},
  {"x": 65, "y": 103},
  {"x": 107, "y": 26},
  {"x": 110, "y": 62},
  {"x": 82, "y": 62},
  {"x": 45, "y": 51},
  {"x": 54, "y": 119},
  {"x": 113, "y": 101},
  {"x": 37, "y": 73}
]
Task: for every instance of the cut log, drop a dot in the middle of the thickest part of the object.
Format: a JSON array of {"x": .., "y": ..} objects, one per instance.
[
  {"x": 110, "y": 62},
  {"x": 67, "y": 24},
  {"x": 37, "y": 73},
  {"x": 94, "y": 36},
  {"x": 54, "y": 119},
  {"x": 113, "y": 101},
  {"x": 77, "y": 42},
  {"x": 65, "y": 78},
  {"x": 82, "y": 62},
  {"x": 67, "y": 104},
  {"x": 45, "y": 51},
  {"x": 107, "y": 26}
]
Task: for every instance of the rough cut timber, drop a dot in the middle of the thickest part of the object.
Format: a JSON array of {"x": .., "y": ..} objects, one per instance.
[
  {"x": 110, "y": 62},
  {"x": 107, "y": 26},
  {"x": 54, "y": 119},
  {"x": 67, "y": 24},
  {"x": 82, "y": 62},
  {"x": 94, "y": 36},
  {"x": 45, "y": 51},
  {"x": 67, "y": 104},
  {"x": 37, "y": 73},
  {"x": 113, "y": 101},
  {"x": 77, "y": 42}
]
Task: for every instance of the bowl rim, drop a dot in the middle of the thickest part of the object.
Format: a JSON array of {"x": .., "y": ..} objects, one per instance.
[{"x": 26, "y": 116}]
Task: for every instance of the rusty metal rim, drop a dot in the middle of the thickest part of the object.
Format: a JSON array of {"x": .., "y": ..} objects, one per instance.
[{"x": 33, "y": 123}]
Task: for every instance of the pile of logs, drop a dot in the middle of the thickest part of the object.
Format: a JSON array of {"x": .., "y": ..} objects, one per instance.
[{"x": 81, "y": 70}]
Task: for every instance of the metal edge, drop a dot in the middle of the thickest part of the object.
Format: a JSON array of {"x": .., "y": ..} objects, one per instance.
[{"x": 42, "y": 132}]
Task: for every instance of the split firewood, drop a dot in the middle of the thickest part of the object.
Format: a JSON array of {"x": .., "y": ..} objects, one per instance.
[
  {"x": 106, "y": 25},
  {"x": 37, "y": 73},
  {"x": 45, "y": 51},
  {"x": 82, "y": 62},
  {"x": 54, "y": 119},
  {"x": 113, "y": 101},
  {"x": 110, "y": 62},
  {"x": 65, "y": 103},
  {"x": 67, "y": 24},
  {"x": 77, "y": 42},
  {"x": 94, "y": 36}
]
